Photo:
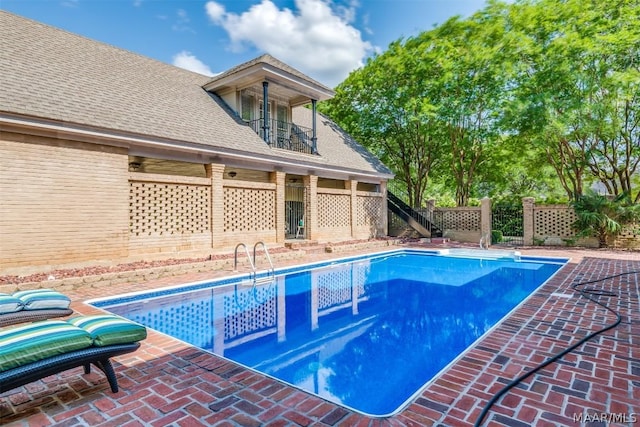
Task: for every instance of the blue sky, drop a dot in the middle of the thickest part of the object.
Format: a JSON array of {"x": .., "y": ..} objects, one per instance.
[{"x": 325, "y": 39}]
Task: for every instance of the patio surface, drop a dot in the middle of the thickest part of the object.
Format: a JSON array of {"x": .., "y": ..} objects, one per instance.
[{"x": 169, "y": 383}]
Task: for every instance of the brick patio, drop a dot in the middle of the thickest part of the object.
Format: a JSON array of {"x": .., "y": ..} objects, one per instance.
[{"x": 168, "y": 383}]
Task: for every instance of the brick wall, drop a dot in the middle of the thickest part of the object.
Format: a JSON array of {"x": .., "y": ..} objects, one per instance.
[
  {"x": 61, "y": 201},
  {"x": 66, "y": 203}
]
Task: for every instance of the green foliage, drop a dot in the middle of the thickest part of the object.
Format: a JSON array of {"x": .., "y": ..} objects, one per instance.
[
  {"x": 532, "y": 98},
  {"x": 602, "y": 217},
  {"x": 577, "y": 89}
]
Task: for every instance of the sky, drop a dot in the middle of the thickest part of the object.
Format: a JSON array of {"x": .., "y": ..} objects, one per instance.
[{"x": 325, "y": 39}]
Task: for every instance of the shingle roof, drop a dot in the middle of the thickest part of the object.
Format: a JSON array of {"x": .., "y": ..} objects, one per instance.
[{"x": 53, "y": 74}]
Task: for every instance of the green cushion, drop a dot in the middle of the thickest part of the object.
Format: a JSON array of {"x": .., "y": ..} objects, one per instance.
[
  {"x": 109, "y": 329},
  {"x": 37, "y": 299},
  {"x": 40, "y": 340},
  {"x": 9, "y": 304}
]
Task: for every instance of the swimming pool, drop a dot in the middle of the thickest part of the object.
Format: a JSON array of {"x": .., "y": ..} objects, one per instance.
[{"x": 365, "y": 332}]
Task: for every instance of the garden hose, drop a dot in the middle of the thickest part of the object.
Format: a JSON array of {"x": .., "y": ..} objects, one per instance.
[{"x": 588, "y": 293}]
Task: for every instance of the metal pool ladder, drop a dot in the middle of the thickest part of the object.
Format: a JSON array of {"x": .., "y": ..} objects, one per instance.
[{"x": 270, "y": 274}]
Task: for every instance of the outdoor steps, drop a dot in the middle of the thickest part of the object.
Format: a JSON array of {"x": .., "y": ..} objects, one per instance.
[{"x": 300, "y": 244}]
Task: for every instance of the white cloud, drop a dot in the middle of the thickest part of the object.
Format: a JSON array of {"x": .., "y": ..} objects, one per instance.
[
  {"x": 189, "y": 62},
  {"x": 215, "y": 11},
  {"x": 316, "y": 38}
]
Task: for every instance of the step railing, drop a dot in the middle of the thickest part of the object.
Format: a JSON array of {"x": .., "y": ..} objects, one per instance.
[
  {"x": 415, "y": 219},
  {"x": 271, "y": 272},
  {"x": 268, "y": 277}
]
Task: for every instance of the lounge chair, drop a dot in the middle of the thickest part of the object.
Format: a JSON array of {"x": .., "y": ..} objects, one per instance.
[
  {"x": 36, "y": 350},
  {"x": 32, "y": 305}
]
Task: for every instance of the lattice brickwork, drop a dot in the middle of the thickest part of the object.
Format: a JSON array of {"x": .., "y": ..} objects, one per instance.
[
  {"x": 248, "y": 209},
  {"x": 368, "y": 210},
  {"x": 165, "y": 209},
  {"x": 249, "y": 309},
  {"x": 460, "y": 219},
  {"x": 334, "y": 210},
  {"x": 553, "y": 221},
  {"x": 631, "y": 231},
  {"x": 629, "y": 238}
]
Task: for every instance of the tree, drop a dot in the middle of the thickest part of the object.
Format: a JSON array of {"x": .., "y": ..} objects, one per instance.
[
  {"x": 470, "y": 91},
  {"x": 491, "y": 104},
  {"x": 578, "y": 87},
  {"x": 383, "y": 105}
]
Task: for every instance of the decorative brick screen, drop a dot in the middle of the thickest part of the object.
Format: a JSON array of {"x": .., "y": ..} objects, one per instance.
[
  {"x": 166, "y": 209},
  {"x": 249, "y": 209},
  {"x": 553, "y": 221},
  {"x": 249, "y": 309},
  {"x": 629, "y": 237},
  {"x": 458, "y": 219},
  {"x": 334, "y": 210},
  {"x": 368, "y": 210}
]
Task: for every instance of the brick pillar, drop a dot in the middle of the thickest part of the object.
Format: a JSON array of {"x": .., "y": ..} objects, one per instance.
[
  {"x": 528, "y": 204},
  {"x": 383, "y": 224},
  {"x": 485, "y": 222},
  {"x": 216, "y": 172},
  {"x": 352, "y": 185},
  {"x": 311, "y": 206},
  {"x": 278, "y": 178}
]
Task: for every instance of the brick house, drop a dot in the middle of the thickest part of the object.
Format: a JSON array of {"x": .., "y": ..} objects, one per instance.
[{"x": 107, "y": 155}]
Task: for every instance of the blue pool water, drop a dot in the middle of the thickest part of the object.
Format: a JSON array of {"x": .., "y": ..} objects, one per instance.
[{"x": 367, "y": 333}]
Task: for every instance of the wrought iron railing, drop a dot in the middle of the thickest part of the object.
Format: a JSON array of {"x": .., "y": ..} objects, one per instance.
[
  {"x": 423, "y": 222},
  {"x": 285, "y": 135}
]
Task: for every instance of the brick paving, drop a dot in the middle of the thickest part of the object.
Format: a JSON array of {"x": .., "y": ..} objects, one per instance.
[{"x": 168, "y": 383}]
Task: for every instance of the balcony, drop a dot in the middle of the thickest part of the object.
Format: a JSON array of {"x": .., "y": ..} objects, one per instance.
[{"x": 285, "y": 135}]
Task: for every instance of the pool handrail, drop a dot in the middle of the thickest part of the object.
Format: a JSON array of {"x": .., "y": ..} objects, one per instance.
[
  {"x": 271, "y": 272},
  {"x": 235, "y": 257}
]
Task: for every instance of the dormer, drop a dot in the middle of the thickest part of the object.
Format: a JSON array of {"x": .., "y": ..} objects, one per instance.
[{"x": 263, "y": 92}]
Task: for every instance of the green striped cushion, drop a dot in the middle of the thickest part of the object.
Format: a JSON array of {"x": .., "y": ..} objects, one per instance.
[
  {"x": 42, "y": 299},
  {"x": 40, "y": 340},
  {"x": 9, "y": 304},
  {"x": 109, "y": 329}
]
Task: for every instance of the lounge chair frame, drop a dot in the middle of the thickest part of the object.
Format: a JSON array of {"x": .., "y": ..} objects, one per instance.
[
  {"x": 99, "y": 356},
  {"x": 24, "y": 316}
]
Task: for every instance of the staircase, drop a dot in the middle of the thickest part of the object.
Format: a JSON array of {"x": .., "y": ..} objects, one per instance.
[{"x": 414, "y": 219}]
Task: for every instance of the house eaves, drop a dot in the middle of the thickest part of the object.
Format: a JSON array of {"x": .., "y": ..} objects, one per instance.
[
  {"x": 302, "y": 89},
  {"x": 180, "y": 150}
]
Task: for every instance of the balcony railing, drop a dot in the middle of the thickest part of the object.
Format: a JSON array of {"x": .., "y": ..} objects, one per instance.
[{"x": 285, "y": 135}]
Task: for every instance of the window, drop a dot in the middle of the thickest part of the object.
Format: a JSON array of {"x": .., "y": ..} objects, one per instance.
[{"x": 247, "y": 106}]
